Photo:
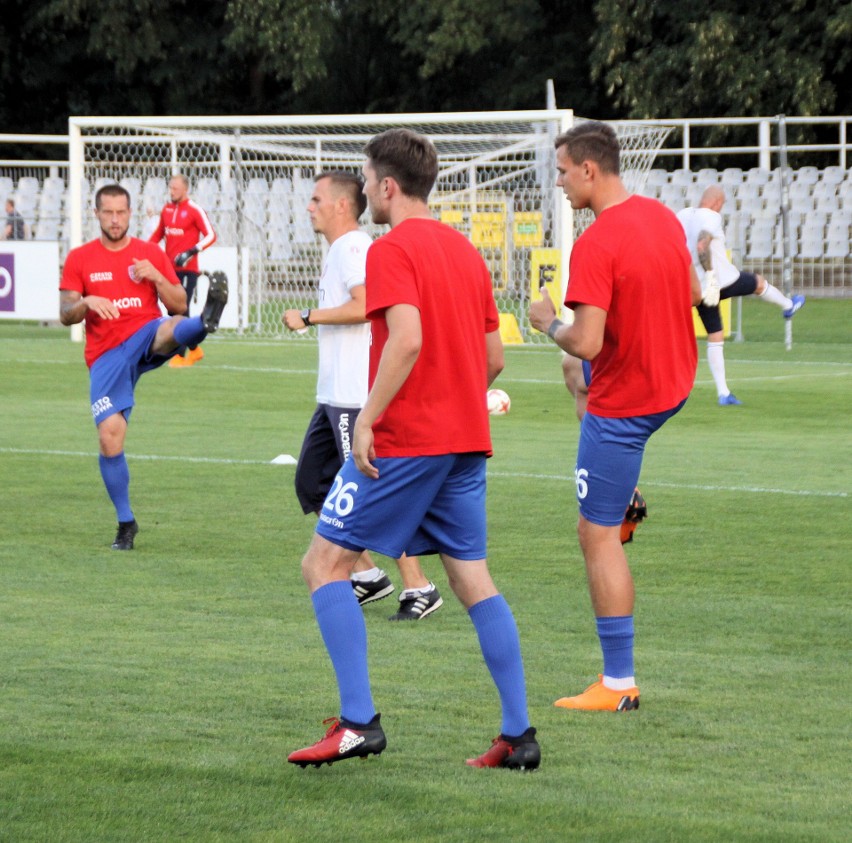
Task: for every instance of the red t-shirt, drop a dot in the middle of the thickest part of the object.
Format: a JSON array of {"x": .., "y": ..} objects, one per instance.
[
  {"x": 184, "y": 225},
  {"x": 94, "y": 270},
  {"x": 633, "y": 263},
  {"x": 441, "y": 407}
]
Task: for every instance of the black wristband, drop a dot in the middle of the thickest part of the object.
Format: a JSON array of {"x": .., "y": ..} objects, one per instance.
[{"x": 555, "y": 325}]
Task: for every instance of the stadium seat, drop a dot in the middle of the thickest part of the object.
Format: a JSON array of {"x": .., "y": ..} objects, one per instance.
[
  {"x": 760, "y": 240},
  {"x": 837, "y": 247},
  {"x": 657, "y": 177},
  {"x": 156, "y": 191},
  {"x": 801, "y": 196},
  {"x": 133, "y": 186},
  {"x": 837, "y": 229},
  {"x": 206, "y": 193},
  {"x": 257, "y": 187},
  {"x": 47, "y": 228},
  {"x": 833, "y": 175},
  {"x": 28, "y": 187},
  {"x": 806, "y": 175},
  {"x": 7, "y": 187},
  {"x": 682, "y": 177},
  {"x": 811, "y": 243},
  {"x": 732, "y": 176},
  {"x": 757, "y": 175},
  {"x": 228, "y": 196},
  {"x": 672, "y": 195},
  {"x": 706, "y": 176},
  {"x": 748, "y": 195}
]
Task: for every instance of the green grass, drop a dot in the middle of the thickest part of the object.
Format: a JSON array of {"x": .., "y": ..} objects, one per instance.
[{"x": 154, "y": 696}]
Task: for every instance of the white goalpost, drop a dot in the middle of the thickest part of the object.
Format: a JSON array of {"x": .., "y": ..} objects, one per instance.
[{"x": 254, "y": 176}]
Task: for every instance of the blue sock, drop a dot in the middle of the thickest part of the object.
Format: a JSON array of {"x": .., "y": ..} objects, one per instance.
[
  {"x": 341, "y": 623},
  {"x": 190, "y": 331},
  {"x": 498, "y": 637},
  {"x": 116, "y": 476},
  {"x": 616, "y": 636}
]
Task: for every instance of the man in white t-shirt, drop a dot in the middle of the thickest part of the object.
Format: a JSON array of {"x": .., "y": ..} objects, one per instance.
[
  {"x": 336, "y": 205},
  {"x": 720, "y": 279}
]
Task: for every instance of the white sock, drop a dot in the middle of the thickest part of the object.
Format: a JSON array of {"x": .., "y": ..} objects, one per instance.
[
  {"x": 716, "y": 361},
  {"x": 625, "y": 683},
  {"x": 371, "y": 575},
  {"x": 775, "y": 296}
]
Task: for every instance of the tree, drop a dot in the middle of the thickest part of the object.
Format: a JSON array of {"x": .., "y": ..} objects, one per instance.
[{"x": 753, "y": 58}]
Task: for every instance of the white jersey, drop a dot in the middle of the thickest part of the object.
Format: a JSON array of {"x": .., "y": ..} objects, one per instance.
[
  {"x": 696, "y": 220},
  {"x": 344, "y": 350}
]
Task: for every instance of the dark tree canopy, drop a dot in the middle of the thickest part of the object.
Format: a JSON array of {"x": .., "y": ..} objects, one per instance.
[{"x": 608, "y": 59}]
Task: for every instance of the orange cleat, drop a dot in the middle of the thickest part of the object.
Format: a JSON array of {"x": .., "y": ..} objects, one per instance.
[
  {"x": 597, "y": 697},
  {"x": 194, "y": 354},
  {"x": 178, "y": 362}
]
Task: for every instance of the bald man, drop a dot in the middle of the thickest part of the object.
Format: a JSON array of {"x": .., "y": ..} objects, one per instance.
[{"x": 720, "y": 279}]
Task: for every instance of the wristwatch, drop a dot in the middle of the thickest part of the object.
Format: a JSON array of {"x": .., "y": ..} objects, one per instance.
[{"x": 306, "y": 316}]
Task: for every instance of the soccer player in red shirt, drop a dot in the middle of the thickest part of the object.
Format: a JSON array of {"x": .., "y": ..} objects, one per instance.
[
  {"x": 116, "y": 284},
  {"x": 187, "y": 231},
  {"x": 415, "y": 479},
  {"x": 632, "y": 287}
]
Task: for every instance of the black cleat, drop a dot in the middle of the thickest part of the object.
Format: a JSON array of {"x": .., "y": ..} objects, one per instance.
[
  {"x": 342, "y": 740},
  {"x": 521, "y": 753},
  {"x": 368, "y": 592},
  {"x": 417, "y": 606},
  {"x": 127, "y": 531},
  {"x": 217, "y": 298}
]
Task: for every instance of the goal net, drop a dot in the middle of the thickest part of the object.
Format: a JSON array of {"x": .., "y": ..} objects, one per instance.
[{"x": 254, "y": 177}]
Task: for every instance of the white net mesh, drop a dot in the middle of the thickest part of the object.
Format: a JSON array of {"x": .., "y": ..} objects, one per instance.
[{"x": 254, "y": 177}]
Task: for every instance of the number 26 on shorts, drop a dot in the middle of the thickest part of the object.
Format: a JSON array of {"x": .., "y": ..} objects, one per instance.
[{"x": 339, "y": 499}]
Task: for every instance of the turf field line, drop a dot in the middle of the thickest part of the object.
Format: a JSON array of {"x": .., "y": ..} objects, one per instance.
[
  {"x": 701, "y": 487},
  {"x": 502, "y": 474}
]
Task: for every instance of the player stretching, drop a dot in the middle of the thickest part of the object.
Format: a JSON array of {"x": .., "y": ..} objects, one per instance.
[
  {"x": 116, "y": 283},
  {"x": 631, "y": 288},
  {"x": 415, "y": 480},
  {"x": 187, "y": 231}
]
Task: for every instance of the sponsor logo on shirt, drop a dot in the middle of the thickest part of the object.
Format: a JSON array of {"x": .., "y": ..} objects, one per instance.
[
  {"x": 95, "y": 277},
  {"x": 127, "y": 302},
  {"x": 174, "y": 232}
]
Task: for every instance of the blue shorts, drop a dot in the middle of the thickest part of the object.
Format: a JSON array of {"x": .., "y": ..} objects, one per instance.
[
  {"x": 113, "y": 375},
  {"x": 609, "y": 459},
  {"x": 418, "y": 505}
]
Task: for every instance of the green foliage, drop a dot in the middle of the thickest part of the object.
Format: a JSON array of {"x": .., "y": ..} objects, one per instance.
[
  {"x": 728, "y": 59},
  {"x": 154, "y": 695},
  {"x": 243, "y": 57}
]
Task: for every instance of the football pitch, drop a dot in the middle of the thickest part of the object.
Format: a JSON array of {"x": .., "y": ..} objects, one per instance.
[{"x": 154, "y": 695}]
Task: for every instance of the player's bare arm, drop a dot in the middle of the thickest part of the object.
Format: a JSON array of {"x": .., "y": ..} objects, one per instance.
[
  {"x": 173, "y": 296},
  {"x": 353, "y": 312},
  {"x": 583, "y": 338},
  {"x": 398, "y": 358},
  {"x": 73, "y": 307}
]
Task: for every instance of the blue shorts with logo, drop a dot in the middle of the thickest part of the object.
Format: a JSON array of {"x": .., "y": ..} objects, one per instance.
[
  {"x": 418, "y": 505},
  {"x": 609, "y": 460},
  {"x": 113, "y": 376}
]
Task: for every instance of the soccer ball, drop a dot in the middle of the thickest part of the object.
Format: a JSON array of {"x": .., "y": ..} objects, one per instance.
[{"x": 498, "y": 402}]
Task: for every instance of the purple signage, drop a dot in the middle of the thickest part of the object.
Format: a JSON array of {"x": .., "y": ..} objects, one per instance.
[{"x": 7, "y": 283}]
